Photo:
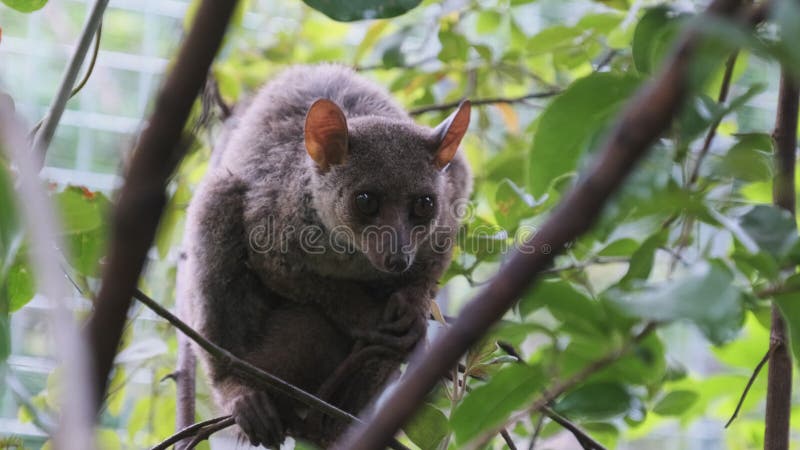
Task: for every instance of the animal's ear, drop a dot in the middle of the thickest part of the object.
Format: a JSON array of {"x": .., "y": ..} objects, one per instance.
[
  {"x": 326, "y": 134},
  {"x": 449, "y": 134}
]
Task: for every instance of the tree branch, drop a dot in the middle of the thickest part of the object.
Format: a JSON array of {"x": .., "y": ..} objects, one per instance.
[
  {"x": 484, "y": 101},
  {"x": 186, "y": 367},
  {"x": 206, "y": 432},
  {"x": 48, "y": 128},
  {"x": 779, "y": 377},
  {"x": 141, "y": 200},
  {"x": 249, "y": 372},
  {"x": 187, "y": 432},
  {"x": 750, "y": 382},
  {"x": 75, "y": 429},
  {"x": 645, "y": 118}
]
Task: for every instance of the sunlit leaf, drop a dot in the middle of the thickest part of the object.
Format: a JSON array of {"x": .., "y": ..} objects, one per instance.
[
  {"x": 25, "y": 6},
  {"x": 568, "y": 123},
  {"x": 595, "y": 401},
  {"x": 705, "y": 296},
  {"x": 428, "y": 427},
  {"x": 675, "y": 403},
  {"x": 488, "y": 405},
  {"x": 351, "y": 10}
]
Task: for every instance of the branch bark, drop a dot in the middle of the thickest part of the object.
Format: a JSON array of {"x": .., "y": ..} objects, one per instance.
[
  {"x": 642, "y": 122},
  {"x": 779, "y": 378},
  {"x": 142, "y": 198},
  {"x": 48, "y": 128}
]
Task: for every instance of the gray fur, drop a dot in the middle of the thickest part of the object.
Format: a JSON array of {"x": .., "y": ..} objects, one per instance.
[{"x": 302, "y": 315}]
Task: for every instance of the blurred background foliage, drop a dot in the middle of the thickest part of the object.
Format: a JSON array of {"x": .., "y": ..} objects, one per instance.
[{"x": 698, "y": 257}]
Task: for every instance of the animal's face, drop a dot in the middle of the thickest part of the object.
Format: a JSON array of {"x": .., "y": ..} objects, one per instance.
[{"x": 385, "y": 194}]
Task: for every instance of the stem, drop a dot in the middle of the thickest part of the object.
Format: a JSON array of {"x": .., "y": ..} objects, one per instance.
[
  {"x": 484, "y": 101},
  {"x": 643, "y": 121},
  {"x": 45, "y": 134},
  {"x": 187, "y": 432},
  {"x": 75, "y": 428},
  {"x": 779, "y": 379},
  {"x": 185, "y": 372}
]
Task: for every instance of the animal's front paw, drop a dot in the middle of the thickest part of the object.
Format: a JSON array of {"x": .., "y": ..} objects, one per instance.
[
  {"x": 403, "y": 326},
  {"x": 258, "y": 419}
]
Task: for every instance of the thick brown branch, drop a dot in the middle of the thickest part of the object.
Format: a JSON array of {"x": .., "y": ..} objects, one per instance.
[
  {"x": 779, "y": 378},
  {"x": 484, "y": 101},
  {"x": 142, "y": 198},
  {"x": 646, "y": 117}
]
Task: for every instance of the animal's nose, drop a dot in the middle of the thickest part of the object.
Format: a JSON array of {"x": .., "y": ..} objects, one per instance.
[{"x": 397, "y": 263}]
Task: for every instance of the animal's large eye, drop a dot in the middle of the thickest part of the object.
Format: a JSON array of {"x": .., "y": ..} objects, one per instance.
[
  {"x": 367, "y": 203},
  {"x": 424, "y": 207}
]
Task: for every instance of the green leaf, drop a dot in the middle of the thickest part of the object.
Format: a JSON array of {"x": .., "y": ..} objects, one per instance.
[
  {"x": 789, "y": 305},
  {"x": 487, "y": 406},
  {"x": 675, "y": 403},
  {"x": 455, "y": 47},
  {"x": 772, "y": 228},
  {"x": 80, "y": 210},
  {"x": 553, "y": 38},
  {"x": 25, "y": 6},
  {"x": 706, "y": 296},
  {"x": 568, "y": 123},
  {"x": 21, "y": 286},
  {"x": 570, "y": 306},
  {"x": 749, "y": 160},
  {"x": 512, "y": 204},
  {"x": 488, "y": 21},
  {"x": 428, "y": 427},
  {"x": 786, "y": 14},
  {"x": 653, "y": 33},
  {"x": 642, "y": 259},
  {"x": 351, "y": 10},
  {"x": 595, "y": 401}
]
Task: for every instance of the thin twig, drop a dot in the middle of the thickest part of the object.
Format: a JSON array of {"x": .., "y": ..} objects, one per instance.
[
  {"x": 45, "y": 134},
  {"x": 84, "y": 80},
  {"x": 507, "y": 438},
  {"x": 187, "y": 432},
  {"x": 249, "y": 372},
  {"x": 484, "y": 101},
  {"x": 750, "y": 382},
  {"x": 724, "y": 89},
  {"x": 586, "y": 441},
  {"x": 40, "y": 419},
  {"x": 205, "y": 432},
  {"x": 536, "y": 430}
]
